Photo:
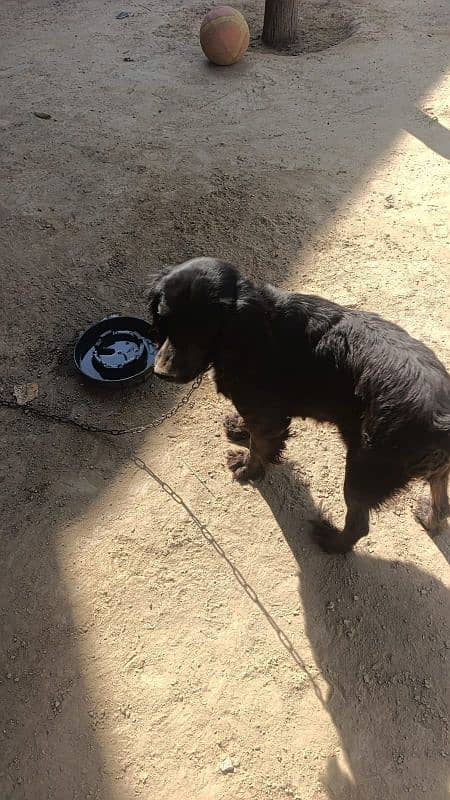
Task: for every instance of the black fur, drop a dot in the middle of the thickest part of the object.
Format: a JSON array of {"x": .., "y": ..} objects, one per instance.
[{"x": 278, "y": 355}]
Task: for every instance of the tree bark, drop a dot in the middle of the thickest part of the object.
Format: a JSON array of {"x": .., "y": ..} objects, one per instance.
[{"x": 280, "y": 23}]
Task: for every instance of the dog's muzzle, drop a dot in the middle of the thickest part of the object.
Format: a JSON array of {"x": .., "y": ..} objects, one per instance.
[
  {"x": 165, "y": 362},
  {"x": 173, "y": 365}
]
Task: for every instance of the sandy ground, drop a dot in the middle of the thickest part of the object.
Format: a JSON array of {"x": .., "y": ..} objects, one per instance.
[{"x": 138, "y": 648}]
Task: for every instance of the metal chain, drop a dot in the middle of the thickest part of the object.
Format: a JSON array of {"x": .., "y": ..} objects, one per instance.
[
  {"x": 242, "y": 581},
  {"x": 42, "y": 413}
]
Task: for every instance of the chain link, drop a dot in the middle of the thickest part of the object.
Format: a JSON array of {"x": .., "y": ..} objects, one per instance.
[{"x": 61, "y": 419}]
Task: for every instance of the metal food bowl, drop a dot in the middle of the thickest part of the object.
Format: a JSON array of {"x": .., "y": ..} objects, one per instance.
[{"x": 117, "y": 351}]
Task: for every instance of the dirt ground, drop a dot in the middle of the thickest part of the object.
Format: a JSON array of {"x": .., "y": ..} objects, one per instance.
[{"x": 146, "y": 637}]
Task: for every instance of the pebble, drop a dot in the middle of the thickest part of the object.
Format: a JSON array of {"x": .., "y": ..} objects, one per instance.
[
  {"x": 42, "y": 115},
  {"x": 226, "y": 766},
  {"x": 25, "y": 393}
]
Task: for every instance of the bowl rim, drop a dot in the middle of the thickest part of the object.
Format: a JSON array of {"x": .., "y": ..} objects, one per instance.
[{"x": 118, "y": 380}]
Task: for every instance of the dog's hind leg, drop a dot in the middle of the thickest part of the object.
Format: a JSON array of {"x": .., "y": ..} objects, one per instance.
[
  {"x": 331, "y": 540},
  {"x": 432, "y": 514},
  {"x": 360, "y": 496}
]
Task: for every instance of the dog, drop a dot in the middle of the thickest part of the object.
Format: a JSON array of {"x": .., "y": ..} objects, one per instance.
[{"x": 278, "y": 355}]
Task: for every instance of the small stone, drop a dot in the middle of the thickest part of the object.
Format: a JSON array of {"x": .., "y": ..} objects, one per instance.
[
  {"x": 42, "y": 115},
  {"x": 226, "y": 766},
  {"x": 25, "y": 393}
]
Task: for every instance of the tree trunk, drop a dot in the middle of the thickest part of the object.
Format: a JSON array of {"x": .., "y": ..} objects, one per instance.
[{"x": 280, "y": 23}]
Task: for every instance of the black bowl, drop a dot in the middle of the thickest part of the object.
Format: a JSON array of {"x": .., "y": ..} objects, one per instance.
[{"x": 116, "y": 351}]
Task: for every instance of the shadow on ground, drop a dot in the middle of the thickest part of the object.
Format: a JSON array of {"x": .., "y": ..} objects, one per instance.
[{"x": 380, "y": 634}]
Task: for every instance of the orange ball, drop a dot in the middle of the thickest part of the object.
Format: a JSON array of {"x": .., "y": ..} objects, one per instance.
[{"x": 224, "y": 35}]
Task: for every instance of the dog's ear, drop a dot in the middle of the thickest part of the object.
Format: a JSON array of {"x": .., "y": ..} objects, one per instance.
[
  {"x": 153, "y": 290},
  {"x": 152, "y": 284},
  {"x": 250, "y": 334},
  {"x": 252, "y": 310},
  {"x": 229, "y": 289}
]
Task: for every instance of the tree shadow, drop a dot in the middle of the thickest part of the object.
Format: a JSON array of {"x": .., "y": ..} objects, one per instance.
[
  {"x": 379, "y": 630},
  {"x": 50, "y": 476},
  {"x": 49, "y": 741}
]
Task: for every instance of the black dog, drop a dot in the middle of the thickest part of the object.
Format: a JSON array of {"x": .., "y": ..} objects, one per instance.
[{"x": 279, "y": 355}]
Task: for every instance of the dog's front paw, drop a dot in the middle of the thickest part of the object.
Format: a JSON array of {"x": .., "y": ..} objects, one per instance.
[
  {"x": 235, "y": 429},
  {"x": 243, "y": 470},
  {"x": 329, "y": 538}
]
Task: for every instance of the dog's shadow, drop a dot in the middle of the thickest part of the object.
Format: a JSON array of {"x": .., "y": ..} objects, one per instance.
[{"x": 380, "y": 634}]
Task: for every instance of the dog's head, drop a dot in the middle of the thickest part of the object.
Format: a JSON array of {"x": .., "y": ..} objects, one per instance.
[{"x": 188, "y": 306}]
